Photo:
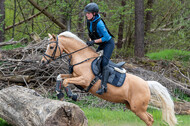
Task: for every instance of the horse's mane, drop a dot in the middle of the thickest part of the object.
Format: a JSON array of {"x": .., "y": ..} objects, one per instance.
[{"x": 71, "y": 35}]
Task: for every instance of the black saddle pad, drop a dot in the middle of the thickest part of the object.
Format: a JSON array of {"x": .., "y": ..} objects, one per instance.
[{"x": 115, "y": 78}]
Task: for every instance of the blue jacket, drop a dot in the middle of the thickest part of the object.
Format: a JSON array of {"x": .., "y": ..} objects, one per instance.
[{"x": 101, "y": 29}]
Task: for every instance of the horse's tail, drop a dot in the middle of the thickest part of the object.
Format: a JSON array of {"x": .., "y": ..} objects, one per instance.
[{"x": 160, "y": 95}]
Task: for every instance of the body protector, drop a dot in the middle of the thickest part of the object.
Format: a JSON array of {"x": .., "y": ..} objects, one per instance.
[{"x": 94, "y": 34}]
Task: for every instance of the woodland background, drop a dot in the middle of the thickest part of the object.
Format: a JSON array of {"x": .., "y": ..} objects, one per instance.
[
  {"x": 166, "y": 22},
  {"x": 140, "y": 27}
]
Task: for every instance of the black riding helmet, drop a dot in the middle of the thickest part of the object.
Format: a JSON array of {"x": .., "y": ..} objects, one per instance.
[{"x": 91, "y": 7}]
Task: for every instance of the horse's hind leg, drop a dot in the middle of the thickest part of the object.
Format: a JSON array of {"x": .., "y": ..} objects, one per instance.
[
  {"x": 145, "y": 116},
  {"x": 140, "y": 110}
]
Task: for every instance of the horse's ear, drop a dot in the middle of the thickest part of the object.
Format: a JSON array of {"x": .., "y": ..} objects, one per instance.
[
  {"x": 50, "y": 36},
  {"x": 54, "y": 36}
]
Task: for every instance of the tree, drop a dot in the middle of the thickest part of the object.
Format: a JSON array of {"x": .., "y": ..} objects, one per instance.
[
  {"x": 2, "y": 18},
  {"x": 139, "y": 28},
  {"x": 148, "y": 20},
  {"x": 148, "y": 16},
  {"x": 121, "y": 26}
]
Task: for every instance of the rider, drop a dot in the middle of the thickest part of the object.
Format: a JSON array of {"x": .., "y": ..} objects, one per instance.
[{"x": 99, "y": 34}]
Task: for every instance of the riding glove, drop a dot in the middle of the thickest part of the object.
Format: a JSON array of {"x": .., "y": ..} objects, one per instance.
[{"x": 90, "y": 43}]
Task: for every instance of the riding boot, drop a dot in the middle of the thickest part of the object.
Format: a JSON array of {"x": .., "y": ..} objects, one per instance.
[
  {"x": 105, "y": 75},
  {"x": 69, "y": 93}
]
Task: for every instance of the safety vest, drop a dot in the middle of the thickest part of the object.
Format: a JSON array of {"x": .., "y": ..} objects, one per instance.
[{"x": 94, "y": 34}]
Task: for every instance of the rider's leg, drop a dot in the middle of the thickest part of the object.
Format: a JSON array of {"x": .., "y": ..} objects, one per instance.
[
  {"x": 105, "y": 75},
  {"x": 108, "y": 49}
]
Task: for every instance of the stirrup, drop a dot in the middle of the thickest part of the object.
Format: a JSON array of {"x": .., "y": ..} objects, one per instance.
[{"x": 101, "y": 90}]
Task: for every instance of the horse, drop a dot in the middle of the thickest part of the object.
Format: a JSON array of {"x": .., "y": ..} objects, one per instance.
[{"x": 135, "y": 92}]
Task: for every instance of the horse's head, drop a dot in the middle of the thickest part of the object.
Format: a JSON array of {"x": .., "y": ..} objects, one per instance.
[{"x": 53, "y": 50}]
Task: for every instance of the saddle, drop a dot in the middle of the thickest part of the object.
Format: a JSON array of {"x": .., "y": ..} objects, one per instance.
[{"x": 116, "y": 72}]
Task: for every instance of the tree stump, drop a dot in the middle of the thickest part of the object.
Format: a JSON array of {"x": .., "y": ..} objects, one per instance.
[{"x": 24, "y": 107}]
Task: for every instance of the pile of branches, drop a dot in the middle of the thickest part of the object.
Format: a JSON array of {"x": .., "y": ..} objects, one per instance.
[{"x": 21, "y": 66}]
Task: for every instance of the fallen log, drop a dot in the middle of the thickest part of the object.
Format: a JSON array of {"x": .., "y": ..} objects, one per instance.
[
  {"x": 16, "y": 78},
  {"x": 24, "y": 107}
]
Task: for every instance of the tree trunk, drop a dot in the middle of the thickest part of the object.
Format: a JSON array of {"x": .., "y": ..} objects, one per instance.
[
  {"x": 80, "y": 24},
  {"x": 148, "y": 16},
  {"x": 24, "y": 107},
  {"x": 121, "y": 26},
  {"x": 51, "y": 17},
  {"x": 139, "y": 28},
  {"x": 2, "y": 23},
  {"x": 148, "y": 21}
]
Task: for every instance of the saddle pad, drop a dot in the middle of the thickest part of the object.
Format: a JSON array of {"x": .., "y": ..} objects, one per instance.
[{"x": 115, "y": 78}]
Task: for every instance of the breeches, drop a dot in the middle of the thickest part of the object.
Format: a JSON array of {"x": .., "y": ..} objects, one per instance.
[{"x": 108, "y": 48}]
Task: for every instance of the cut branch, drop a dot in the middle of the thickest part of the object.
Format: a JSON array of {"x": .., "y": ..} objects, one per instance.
[
  {"x": 24, "y": 40},
  {"x": 51, "y": 17},
  {"x": 16, "y": 78}
]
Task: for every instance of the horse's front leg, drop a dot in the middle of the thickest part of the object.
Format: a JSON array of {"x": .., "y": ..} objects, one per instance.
[
  {"x": 80, "y": 80},
  {"x": 59, "y": 82},
  {"x": 63, "y": 76}
]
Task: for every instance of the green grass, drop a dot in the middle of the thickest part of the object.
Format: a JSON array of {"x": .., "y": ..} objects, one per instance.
[
  {"x": 107, "y": 117},
  {"x": 170, "y": 54}
]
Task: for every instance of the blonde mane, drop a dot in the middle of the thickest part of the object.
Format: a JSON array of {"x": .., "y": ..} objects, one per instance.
[{"x": 71, "y": 35}]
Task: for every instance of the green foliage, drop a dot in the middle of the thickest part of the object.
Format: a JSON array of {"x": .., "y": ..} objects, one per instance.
[
  {"x": 9, "y": 47},
  {"x": 180, "y": 95},
  {"x": 172, "y": 28},
  {"x": 3, "y": 123},
  {"x": 166, "y": 15}
]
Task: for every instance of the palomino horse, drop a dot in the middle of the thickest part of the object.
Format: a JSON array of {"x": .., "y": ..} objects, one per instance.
[{"x": 135, "y": 92}]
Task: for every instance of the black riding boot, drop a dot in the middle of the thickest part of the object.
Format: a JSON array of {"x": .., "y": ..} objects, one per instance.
[
  {"x": 69, "y": 93},
  {"x": 105, "y": 75}
]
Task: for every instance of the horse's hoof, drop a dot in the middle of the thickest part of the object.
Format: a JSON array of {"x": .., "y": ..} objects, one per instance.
[
  {"x": 74, "y": 97},
  {"x": 60, "y": 96}
]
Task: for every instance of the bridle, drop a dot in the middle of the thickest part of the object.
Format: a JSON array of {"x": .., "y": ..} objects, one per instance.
[
  {"x": 60, "y": 56},
  {"x": 54, "y": 52}
]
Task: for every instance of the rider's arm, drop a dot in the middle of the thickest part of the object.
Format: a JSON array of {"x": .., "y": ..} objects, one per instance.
[{"x": 102, "y": 31}]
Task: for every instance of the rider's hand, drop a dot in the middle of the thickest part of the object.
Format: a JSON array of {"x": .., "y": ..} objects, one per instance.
[{"x": 90, "y": 43}]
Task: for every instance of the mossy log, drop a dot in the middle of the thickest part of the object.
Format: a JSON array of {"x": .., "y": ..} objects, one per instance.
[{"x": 21, "y": 106}]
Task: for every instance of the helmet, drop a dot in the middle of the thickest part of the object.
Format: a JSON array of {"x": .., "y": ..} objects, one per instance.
[{"x": 91, "y": 7}]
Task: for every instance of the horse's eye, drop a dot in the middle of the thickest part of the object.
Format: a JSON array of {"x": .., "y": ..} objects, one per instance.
[{"x": 51, "y": 47}]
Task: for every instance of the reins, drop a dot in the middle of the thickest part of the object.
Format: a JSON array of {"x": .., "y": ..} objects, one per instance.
[{"x": 61, "y": 56}]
